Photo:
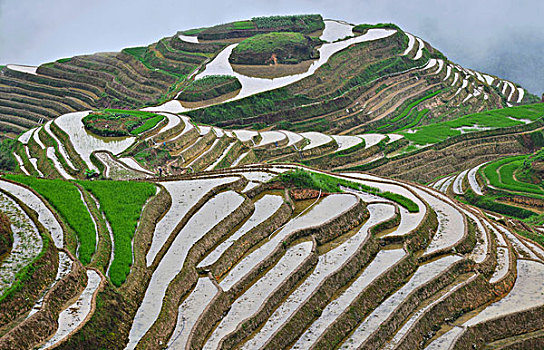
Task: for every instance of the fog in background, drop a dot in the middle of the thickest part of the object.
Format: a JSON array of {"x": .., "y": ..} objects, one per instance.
[{"x": 501, "y": 37}]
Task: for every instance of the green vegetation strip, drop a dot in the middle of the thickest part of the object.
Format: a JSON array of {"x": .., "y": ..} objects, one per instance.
[
  {"x": 209, "y": 87},
  {"x": 490, "y": 203},
  {"x": 501, "y": 174},
  {"x": 147, "y": 125},
  {"x": 154, "y": 63},
  {"x": 66, "y": 199},
  {"x": 408, "y": 108},
  {"x": 122, "y": 202},
  {"x": 361, "y": 28},
  {"x": 417, "y": 116},
  {"x": 304, "y": 23},
  {"x": 192, "y": 32},
  {"x": 269, "y": 42},
  {"x": 243, "y": 25},
  {"x": 120, "y": 122},
  {"x": 327, "y": 183},
  {"x": 499, "y": 118},
  {"x": 285, "y": 47}
]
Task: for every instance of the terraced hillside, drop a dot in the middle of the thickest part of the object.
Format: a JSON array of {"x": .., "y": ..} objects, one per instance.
[
  {"x": 380, "y": 83},
  {"x": 177, "y": 202},
  {"x": 270, "y": 256}
]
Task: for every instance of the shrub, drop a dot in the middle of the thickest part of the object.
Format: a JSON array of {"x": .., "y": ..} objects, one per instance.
[
  {"x": 7, "y": 160},
  {"x": 362, "y": 28},
  {"x": 303, "y": 23}
]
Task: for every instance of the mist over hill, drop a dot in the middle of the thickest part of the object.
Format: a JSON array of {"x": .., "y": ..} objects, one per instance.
[{"x": 501, "y": 39}]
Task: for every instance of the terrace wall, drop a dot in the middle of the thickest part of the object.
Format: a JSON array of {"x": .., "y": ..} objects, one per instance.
[{"x": 40, "y": 326}]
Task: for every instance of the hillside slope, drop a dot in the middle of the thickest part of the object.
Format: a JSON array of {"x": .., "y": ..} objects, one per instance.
[
  {"x": 350, "y": 89},
  {"x": 160, "y": 198}
]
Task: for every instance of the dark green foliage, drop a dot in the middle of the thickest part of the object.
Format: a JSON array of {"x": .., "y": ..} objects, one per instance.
[
  {"x": 286, "y": 47},
  {"x": 536, "y": 139},
  {"x": 489, "y": 203},
  {"x": 307, "y": 179},
  {"x": 122, "y": 202},
  {"x": 302, "y": 23},
  {"x": 137, "y": 52},
  {"x": 535, "y": 237},
  {"x": 209, "y": 87},
  {"x": 242, "y": 29},
  {"x": 153, "y": 157},
  {"x": 7, "y": 159},
  {"x": 531, "y": 169},
  {"x": 362, "y": 28},
  {"x": 194, "y": 31}
]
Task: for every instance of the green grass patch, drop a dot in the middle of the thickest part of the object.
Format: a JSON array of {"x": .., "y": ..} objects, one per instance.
[
  {"x": 137, "y": 52},
  {"x": 362, "y": 28},
  {"x": 120, "y": 122},
  {"x": 499, "y": 118},
  {"x": 501, "y": 174},
  {"x": 66, "y": 199},
  {"x": 148, "y": 125},
  {"x": 194, "y": 31},
  {"x": 243, "y": 25},
  {"x": 418, "y": 115},
  {"x": 286, "y": 47},
  {"x": 409, "y": 108},
  {"x": 122, "y": 202},
  {"x": 154, "y": 63},
  {"x": 270, "y": 41},
  {"x": 299, "y": 23},
  {"x": 307, "y": 179},
  {"x": 209, "y": 87}
]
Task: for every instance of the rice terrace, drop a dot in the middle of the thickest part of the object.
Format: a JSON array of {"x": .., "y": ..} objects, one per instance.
[{"x": 281, "y": 182}]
